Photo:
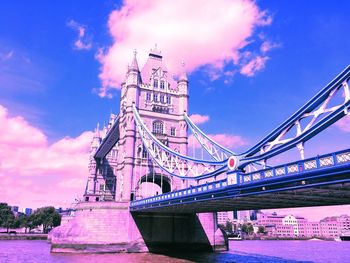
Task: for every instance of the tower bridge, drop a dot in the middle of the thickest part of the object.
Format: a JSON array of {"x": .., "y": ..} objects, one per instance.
[{"x": 145, "y": 193}]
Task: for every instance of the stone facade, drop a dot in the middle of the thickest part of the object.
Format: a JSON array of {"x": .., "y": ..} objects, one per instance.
[{"x": 127, "y": 171}]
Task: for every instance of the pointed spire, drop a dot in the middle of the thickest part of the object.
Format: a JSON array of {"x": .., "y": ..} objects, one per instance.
[
  {"x": 95, "y": 143},
  {"x": 183, "y": 75},
  {"x": 155, "y": 53},
  {"x": 134, "y": 65},
  {"x": 97, "y": 131}
]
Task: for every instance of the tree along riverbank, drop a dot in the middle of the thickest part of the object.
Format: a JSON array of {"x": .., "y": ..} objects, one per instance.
[{"x": 45, "y": 217}]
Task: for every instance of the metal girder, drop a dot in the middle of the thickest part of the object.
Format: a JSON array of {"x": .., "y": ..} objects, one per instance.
[
  {"x": 172, "y": 162},
  {"x": 215, "y": 150},
  {"x": 108, "y": 142},
  {"x": 318, "y": 110}
]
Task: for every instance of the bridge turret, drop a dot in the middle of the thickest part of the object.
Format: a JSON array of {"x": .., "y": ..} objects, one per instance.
[
  {"x": 130, "y": 94},
  {"x": 96, "y": 140},
  {"x": 90, "y": 191},
  {"x": 182, "y": 85},
  {"x": 133, "y": 80},
  {"x": 111, "y": 121}
]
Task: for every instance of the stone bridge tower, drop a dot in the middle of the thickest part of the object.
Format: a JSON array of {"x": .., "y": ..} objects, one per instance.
[
  {"x": 161, "y": 102},
  {"x": 127, "y": 172}
]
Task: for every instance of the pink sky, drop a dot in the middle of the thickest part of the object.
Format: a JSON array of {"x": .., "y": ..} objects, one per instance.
[{"x": 34, "y": 173}]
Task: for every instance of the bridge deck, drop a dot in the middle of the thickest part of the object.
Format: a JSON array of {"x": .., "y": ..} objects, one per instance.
[{"x": 319, "y": 181}]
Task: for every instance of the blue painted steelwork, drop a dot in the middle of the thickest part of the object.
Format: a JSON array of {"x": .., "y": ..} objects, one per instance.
[
  {"x": 320, "y": 166},
  {"x": 322, "y": 97},
  {"x": 215, "y": 150},
  {"x": 172, "y": 162},
  {"x": 310, "y": 164},
  {"x": 108, "y": 142}
]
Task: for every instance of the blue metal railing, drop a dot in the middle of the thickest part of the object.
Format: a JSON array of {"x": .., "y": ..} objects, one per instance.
[
  {"x": 318, "y": 162},
  {"x": 187, "y": 192}
]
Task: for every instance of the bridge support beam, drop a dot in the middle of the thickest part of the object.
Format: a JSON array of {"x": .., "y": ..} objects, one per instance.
[
  {"x": 99, "y": 227},
  {"x": 164, "y": 233}
]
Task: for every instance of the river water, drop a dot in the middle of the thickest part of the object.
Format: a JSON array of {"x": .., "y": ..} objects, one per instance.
[{"x": 240, "y": 251}]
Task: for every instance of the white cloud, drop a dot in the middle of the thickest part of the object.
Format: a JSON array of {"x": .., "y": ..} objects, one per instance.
[
  {"x": 344, "y": 124},
  {"x": 83, "y": 41},
  {"x": 206, "y": 34},
  {"x": 199, "y": 119}
]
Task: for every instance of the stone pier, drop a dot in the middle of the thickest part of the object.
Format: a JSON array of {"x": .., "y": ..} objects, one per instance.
[{"x": 109, "y": 227}]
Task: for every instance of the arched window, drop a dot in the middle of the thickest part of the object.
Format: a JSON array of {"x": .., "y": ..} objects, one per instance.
[
  {"x": 141, "y": 152},
  {"x": 155, "y": 83},
  {"x": 162, "y": 98},
  {"x": 144, "y": 153},
  {"x": 158, "y": 127},
  {"x": 155, "y": 97}
]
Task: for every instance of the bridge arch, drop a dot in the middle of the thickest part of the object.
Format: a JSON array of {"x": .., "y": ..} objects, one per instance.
[{"x": 163, "y": 183}]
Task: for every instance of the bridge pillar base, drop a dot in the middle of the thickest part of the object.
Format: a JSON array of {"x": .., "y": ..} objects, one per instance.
[
  {"x": 218, "y": 240},
  {"x": 98, "y": 227},
  {"x": 164, "y": 233}
]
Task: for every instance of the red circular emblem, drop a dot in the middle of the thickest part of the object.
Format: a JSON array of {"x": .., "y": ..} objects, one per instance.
[{"x": 232, "y": 162}]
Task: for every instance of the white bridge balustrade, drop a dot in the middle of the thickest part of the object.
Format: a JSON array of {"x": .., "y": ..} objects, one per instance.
[{"x": 318, "y": 162}]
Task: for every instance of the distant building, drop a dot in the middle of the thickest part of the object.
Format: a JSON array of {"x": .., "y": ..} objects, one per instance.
[
  {"x": 28, "y": 211},
  {"x": 223, "y": 217},
  {"x": 295, "y": 226},
  {"x": 288, "y": 226},
  {"x": 253, "y": 214},
  {"x": 14, "y": 209},
  {"x": 235, "y": 214},
  {"x": 335, "y": 226},
  {"x": 344, "y": 223},
  {"x": 241, "y": 216}
]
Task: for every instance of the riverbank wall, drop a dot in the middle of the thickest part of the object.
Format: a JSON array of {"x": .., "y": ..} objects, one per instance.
[{"x": 23, "y": 236}]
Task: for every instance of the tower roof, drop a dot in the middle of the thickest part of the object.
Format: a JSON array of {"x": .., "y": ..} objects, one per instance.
[
  {"x": 154, "y": 63},
  {"x": 134, "y": 65},
  {"x": 183, "y": 75},
  {"x": 155, "y": 53},
  {"x": 97, "y": 131}
]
